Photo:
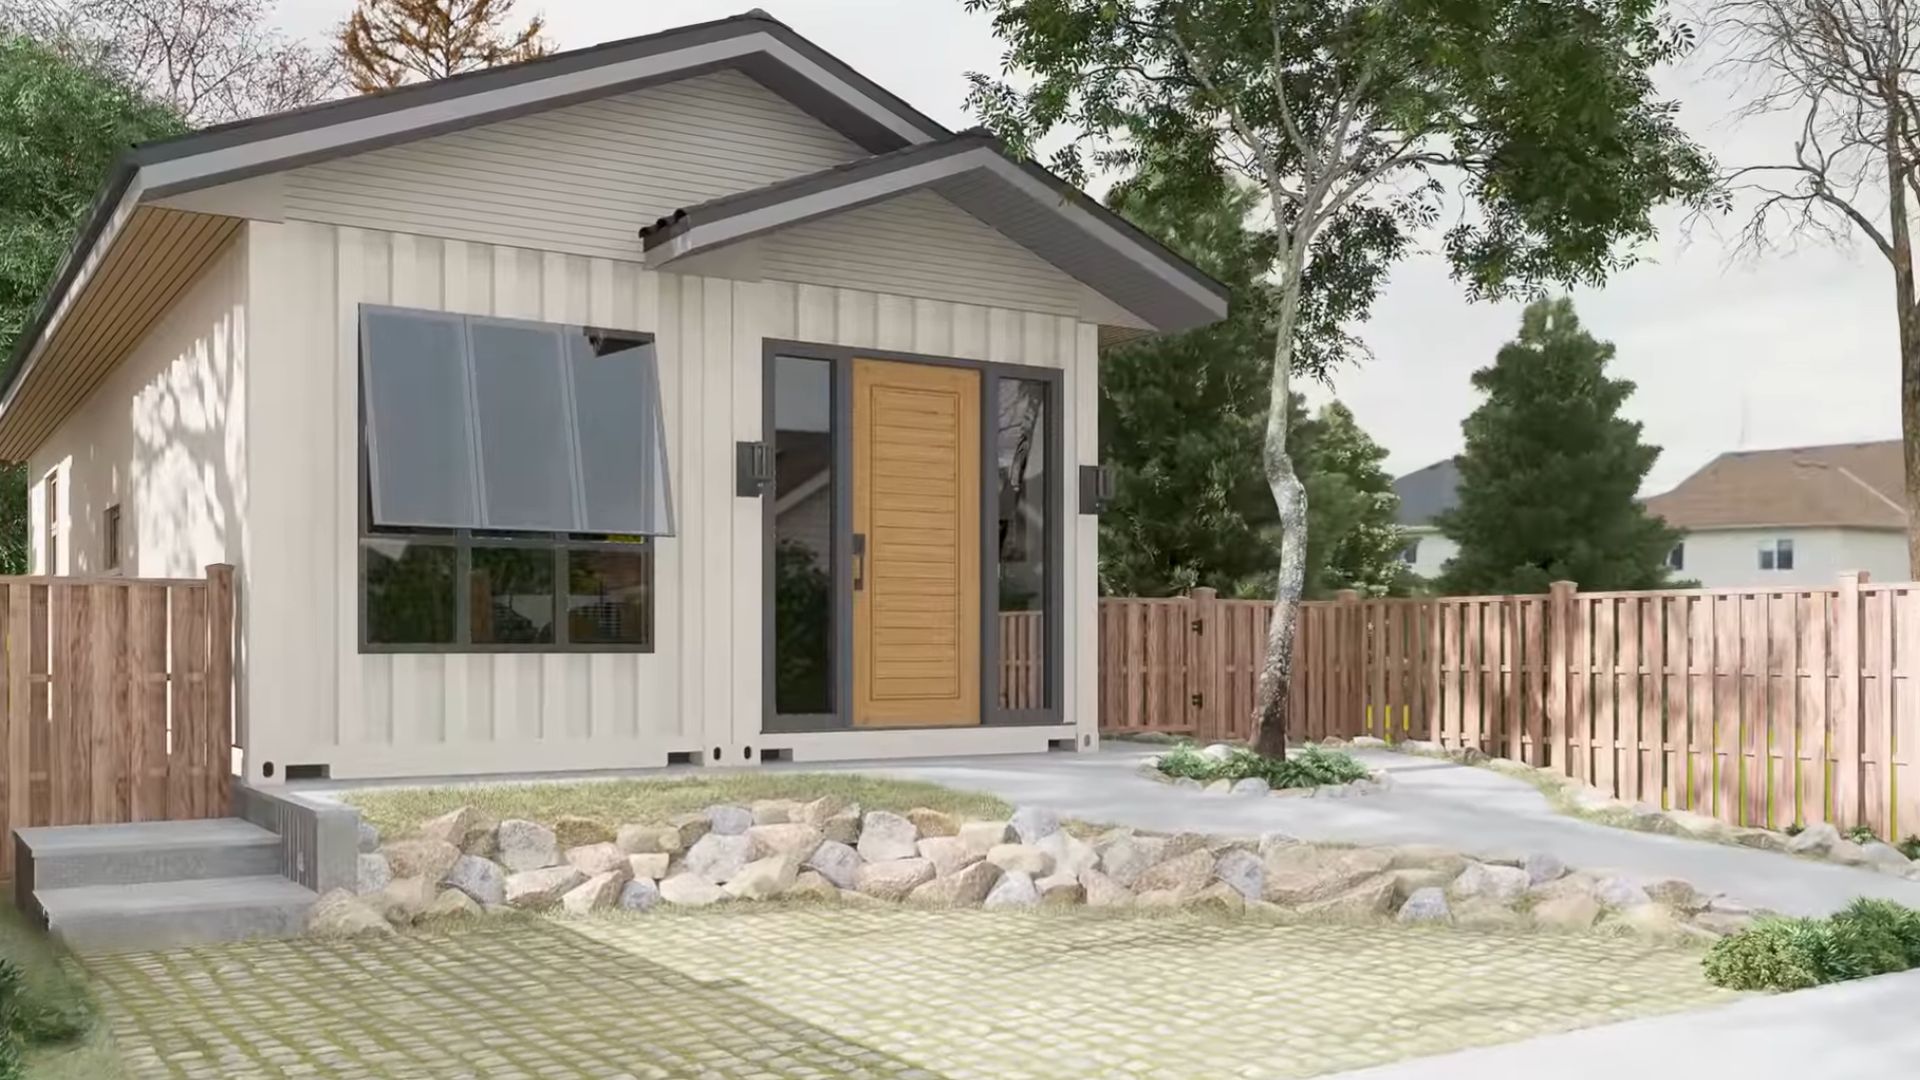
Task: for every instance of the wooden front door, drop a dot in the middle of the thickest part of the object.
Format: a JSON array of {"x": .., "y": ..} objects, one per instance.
[{"x": 916, "y": 525}]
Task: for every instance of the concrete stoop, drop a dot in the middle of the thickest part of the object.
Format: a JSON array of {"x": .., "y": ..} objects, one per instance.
[{"x": 157, "y": 884}]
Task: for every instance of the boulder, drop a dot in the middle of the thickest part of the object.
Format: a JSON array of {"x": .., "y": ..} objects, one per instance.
[
  {"x": 1847, "y": 853},
  {"x": 648, "y": 839},
  {"x": 1060, "y": 889},
  {"x": 1698, "y": 826},
  {"x": 1184, "y": 843},
  {"x": 369, "y": 839},
  {"x": 537, "y": 890},
  {"x": 689, "y": 827},
  {"x": 843, "y": 826},
  {"x": 452, "y": 904},
  {"x": 467, "y": 828},
  {"x": 1676, "y": 894},
  {"x": 1468, "y": 755},
  {"x": 765, "y": 878},
  {"x": 981, "y": 837},
  {"x": 1252, "y": 785},
  {"x": 421, "y": 858},
  {"x": 1024, "y": 858},
  {"x": 341, "y": 914},
  {"x": 729, "y": 820},
  {"x": 1648, "y": 920},
  {"x": 1595, "y": 801},
  {"x": 1367, "y": 742},
  {"x": 1013, "y": 890},
  {"x": 639, "y": 894},
  {"x": 836, "y": 862},
  {"x": 603, "y": 858},
  {"x": 1884, "y": 856},
  {"x": 794, "y": 839},
  {"x": 1568, "y": 911},
  {"x": 817, "y": 812},
  {"x": 1127, "y": 858},
  {"x": 1031, "y": 824},
  {"x": 1425, "y": 906},
  {"x": 1218, "y": 752},
  {"x": 1425, "y": 857},
  {"x": 1274, "y": 841},
  {"x": 1070, "y": 853},
  {"x": 1301, "y": 874},
  {"x": 1764, "y": 839},
  {"x": 1103, "y": 891},
  {"x": 933, "y": 822},
  {"x": 597, "y": 893},
  {"x": 1816, "y": 839},
  {"x": 892, "y": 879},
  {"x": 1371, "y": 899},
  {"x": 481, "y": 879},
  {"x": 1542, "y": 867},
  {"x": 405, "y": 899},
  {"x": 1218, "y": 898},
  {"x": 1187, "y": 874},
  {"x": 886, "y": 835},
  {"x": 1619, "y": 893},
  {"x": 1220, "y": 787},
  {"x": 690, "y": 890},
  {"x": 810, "y": 885},
  {"x": 652, "y": 866},
  {"x": 371, "y": 874},
  {"x": 948, "y": 854},
  {"x": 526, "y": 845},
  {"x": 964, "y": 888},
  {"x": 717, "y": 856},
  {"x": 1723, "y": 923},
  {"x": 1184, "y": 782},
  {"x": 1243, "y": 871},
  {"x": 1408, "y": 882},
  {"x": 1485, "y": 913},
  {"x": 572, "y": 831},
  {"x": 1501, "y": 884},
  {"x": 1645, "y": 817},
  {"x": 774, "y": 811}
]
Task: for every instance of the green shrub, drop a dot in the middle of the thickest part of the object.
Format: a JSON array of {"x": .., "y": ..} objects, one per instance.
[
  {"x": 1309, "y": 767},
  {"x": 1794, "y": 829},
  {"x": 47, "y": 1001},
  {"x": 1870, "y": 937},
  {"x": 1860, "y": 834},
  {"x": 1910, "y": 847}
]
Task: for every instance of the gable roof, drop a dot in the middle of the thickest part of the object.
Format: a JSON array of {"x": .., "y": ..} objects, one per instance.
[
  {"x": 1425, "y": 493},
  {"x": 975, "y": 171},
  {"x": 754, "y": 43},
  {"x": 1846, "y": 485}
]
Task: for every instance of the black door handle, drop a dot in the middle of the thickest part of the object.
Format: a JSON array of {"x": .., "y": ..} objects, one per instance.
[{"x": 859, "y": 561}]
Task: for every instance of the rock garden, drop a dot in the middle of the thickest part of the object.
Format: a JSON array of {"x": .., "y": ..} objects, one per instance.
[{"x": 828, "y": 849}]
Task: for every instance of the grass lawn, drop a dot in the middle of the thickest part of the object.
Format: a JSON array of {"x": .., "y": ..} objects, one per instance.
[
  {"x": 55, "y": 1016},
  {"x": 397, "y": 812}
]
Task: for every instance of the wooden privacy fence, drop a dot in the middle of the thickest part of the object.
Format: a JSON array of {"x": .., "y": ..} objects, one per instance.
[
  {"x": 1757, "y": 706},
  {"x": 118, "y": 696}
]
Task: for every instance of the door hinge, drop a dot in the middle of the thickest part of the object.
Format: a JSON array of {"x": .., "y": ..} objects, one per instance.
[{"x": 1199, "y": 700}]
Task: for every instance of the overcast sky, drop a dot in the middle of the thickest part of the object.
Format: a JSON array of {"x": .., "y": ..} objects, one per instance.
[{"x": 1796, "y": 348}]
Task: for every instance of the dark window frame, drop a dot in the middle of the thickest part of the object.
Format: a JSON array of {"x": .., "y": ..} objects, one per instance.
[
  {"x": 1677, "y": 556},
  {"x": 110, "y": 538},
  {"x": 465, "y": 541},
  {"x": 1783, "y": 553}
]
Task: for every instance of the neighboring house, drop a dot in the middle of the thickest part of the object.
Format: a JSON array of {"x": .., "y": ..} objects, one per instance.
[
  {"x": 1796, "y": 516},
  {"x": 1425, "y": 494},
  {"x": 469, "y": 380}
]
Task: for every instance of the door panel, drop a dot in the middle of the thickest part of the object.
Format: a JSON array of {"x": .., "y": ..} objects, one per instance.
[{"x": 916, "y": 512}]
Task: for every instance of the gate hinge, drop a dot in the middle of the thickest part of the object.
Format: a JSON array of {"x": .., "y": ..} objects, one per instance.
[
  {"x": 1199, "y": 700},
  {"x": 1198, "y": 626}
]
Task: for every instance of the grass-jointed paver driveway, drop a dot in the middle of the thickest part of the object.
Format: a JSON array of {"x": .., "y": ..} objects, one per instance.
[{"x": 855, "y": 991}]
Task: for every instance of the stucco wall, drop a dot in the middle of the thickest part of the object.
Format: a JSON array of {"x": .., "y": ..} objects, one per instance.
[
  {"x": 1431, "y": 556},
  {"x": 1729, "y": 558}
]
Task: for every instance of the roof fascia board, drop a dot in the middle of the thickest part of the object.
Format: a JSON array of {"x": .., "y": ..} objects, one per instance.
[
  {"x": 797, "y": 209},
  {"x": 170, "y": 174}
]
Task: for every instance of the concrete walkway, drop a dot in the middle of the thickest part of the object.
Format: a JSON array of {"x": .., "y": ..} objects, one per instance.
[
  {"x": 1472, "y": 810},
  {"x": 1852, "y": 1031}
]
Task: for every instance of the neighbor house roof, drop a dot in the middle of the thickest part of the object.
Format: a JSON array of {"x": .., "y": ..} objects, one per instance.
[
  {"x": 1846, "y": 485},
  {"x": 1426, "y": 493},
  {"x": 51, "y": 369}
]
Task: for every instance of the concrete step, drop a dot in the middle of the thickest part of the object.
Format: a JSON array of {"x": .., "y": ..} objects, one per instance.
[
  {"x": 66, "y": 856},
  {"x": 174, "y": 914}
]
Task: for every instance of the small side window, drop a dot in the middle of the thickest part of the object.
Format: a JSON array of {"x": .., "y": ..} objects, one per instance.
[
  {"x": 1766, "y": 556},
  {"x": 1783, "y": 555},
  {"x": 1677, "y": 558},
  {"x": 110, "y": 538}
]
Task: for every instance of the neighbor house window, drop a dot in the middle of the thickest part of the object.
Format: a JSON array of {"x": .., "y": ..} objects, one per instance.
[
  {"x": 515, "y": 476},
  {"x": 1410, "y": 551},
  {"x": 1776, "y": 555},
  {"x": 110, "y": 538},
  {"x": 1677, "y": 557},
  {"x": 52, "y": 514}
]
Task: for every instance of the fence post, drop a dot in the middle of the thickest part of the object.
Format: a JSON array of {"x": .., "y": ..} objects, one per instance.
[
  {"x": 1351, "y": 716},
  {"x": 1204, "y": 704},
  {"x": 1559, "y": 656},
  {"x": 219, "y": 695},
  {"x": 1848, "y": 740}
]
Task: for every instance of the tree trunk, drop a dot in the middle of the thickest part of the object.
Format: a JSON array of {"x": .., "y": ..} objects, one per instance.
[{"x": 1290, "y": 497}]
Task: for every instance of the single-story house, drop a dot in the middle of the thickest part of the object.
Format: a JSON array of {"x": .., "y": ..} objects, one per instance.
[
  {"x": 684, "y": 398},
  {"x": 1425, "y": 494},
  {"x": 1794, "y": 516}
]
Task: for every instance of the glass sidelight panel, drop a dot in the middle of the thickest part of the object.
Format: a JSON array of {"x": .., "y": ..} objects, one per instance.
[
  {"x": 803, "y": 533},
  {"x": 1025, "y": 520}
]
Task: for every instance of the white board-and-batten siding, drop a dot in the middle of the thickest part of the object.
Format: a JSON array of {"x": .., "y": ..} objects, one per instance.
[{"x": 314, "y": 698}]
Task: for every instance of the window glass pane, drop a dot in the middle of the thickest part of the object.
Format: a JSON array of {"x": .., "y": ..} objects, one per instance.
[
  {"x": 1784, "y": 560},
  {"x": 410, "y": 595},
  {"x": 512, "y": 596},
  {"x": 1766, "y": 558},
  {"x": 1024, "y": 514},
  {"x": 610, "y": 597},
  {"x": 526, "y": 437},
  {"x": 616, "y": 400},
  {"x": 803, "y": 533},
  {"x": 415, "y": 395}
]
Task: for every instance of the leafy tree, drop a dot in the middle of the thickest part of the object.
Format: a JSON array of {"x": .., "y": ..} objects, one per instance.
[
  {"x": 1356, "y": 120},
  {"x": 1353, "y": 541},
  {"x": 61, "y": 125},
  {"x": 386, "y": 43},
  {"x": 1550, "y": 473}
]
